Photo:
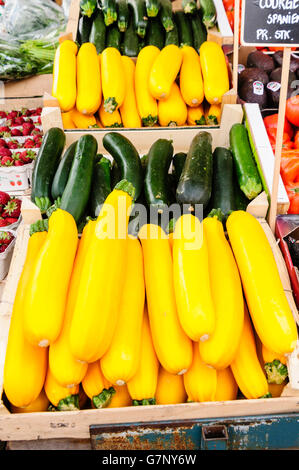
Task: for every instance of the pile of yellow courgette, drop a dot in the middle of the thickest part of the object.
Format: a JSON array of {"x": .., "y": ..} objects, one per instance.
[{"x": 169, "y": 87}]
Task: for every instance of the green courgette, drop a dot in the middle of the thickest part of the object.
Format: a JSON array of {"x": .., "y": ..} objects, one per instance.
[
  {"x": 88, "y": 7},
  {"x": 155, "y": 34},
  {"x": 152, "y": 8},
  {"x": 98, "y": 32},
  {"x": 45, "y": 167},
  {"x": 127, "y": 159},
  {"x": 101, "y": 185},
  {"x": 76, "y": 194},
  {"x": 113, "y": 37},
  {"x": 209, "y": 14},
  {"x": 223, "y": 192},
  {"x": 199, "y": 30},
  {"x": 189, "y": 6},
  {"x": 139, "y": 16},
  {"x": 123, "y": 15},
  {"x": 109, "y": 9},
  {"x": 166, "y": 15},
  {"x": 247, "y": 173},
  {"x": 195, "y": 184},
  {"x": 172, "y": 36},
  {"x": 156, "y": 182},
  {"x": 178, "y": 165},
  {"x": 184, "y": 28},
  {"x": 62, "y": 172},
  {"x": 84, "y": 28},
  {"x": 130, "y": 45}
]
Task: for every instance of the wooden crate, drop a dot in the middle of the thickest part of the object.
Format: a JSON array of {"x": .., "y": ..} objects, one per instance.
[{"x": 76, "y": 424}]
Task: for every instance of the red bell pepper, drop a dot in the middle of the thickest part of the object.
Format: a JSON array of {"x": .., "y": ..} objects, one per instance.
[
  {"x": 292, "y": 110},
  {"x": 293, "y": 195},
  {"x": 271, "y": 125},
  {"x": 289, "y": 169}
]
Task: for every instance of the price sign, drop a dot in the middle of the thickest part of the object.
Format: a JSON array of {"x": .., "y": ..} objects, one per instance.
[{"x": 270, "y": 23}]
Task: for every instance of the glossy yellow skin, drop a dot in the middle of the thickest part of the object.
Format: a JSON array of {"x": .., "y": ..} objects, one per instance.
[
  {"x": 112, "y": 72},
  {"x": 56, "y": 392},
  {"x": 146, "y": 104},
  {"x": 47, "y": 286},
  {"x": 41, "y": 403},
  {"x": 121, "y": 361},
  {"x": 94, "y": 381},
  {"x": 128, "y": 110},
  {"x": 144, "y": 383},
  {"x": 227, "y": 387},
  {"x": 120, "y": 398},
  {"x": 270, "y": 356},
  {"x": 214, "y": 71},
  {"x": 192, "y": 284},
  {"x": 246, "y": 366},
  {"x": 164, "y": 71},
  {"x": 266, "y": 299},
  {"x": 89, "y": 85},
  {"x": 170, "y": 388},
  {"x": 213, "y": 114},
  {"x": 172, "y": 345},
  {"x": 64, "y": 86},
  {"x": 64, "y": 367},
  {"x": 25, "y": 365},
  {"x": 82, "y": 121},
  {"x": 194, "y": 115},
  {"x": 172, "y": 111},
  {"x": 67, "y": 120},
  {"x": 191, "y": 81},
  {"x": 221, "y": 348},
  {"x": 264, "y": 355},
  {"x": 109, "y": 119},
  {"x": 201, "y": 380},
  {"x": 96, "y": 309}
]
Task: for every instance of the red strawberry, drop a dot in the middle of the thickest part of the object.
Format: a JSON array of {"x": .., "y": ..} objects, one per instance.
[
  {"x": 19, "y": 120},
  {"x": 29, "y": 144},
  {"x": 39, "y": 120},
  {"x": 3, "y": 248},
  {"x": 6, "y": 161},
  {"x": 12, "y": 208},
  {"x": 36, "y": 131},
  {"x": 2, "y": 114},
  {"x": 25, "y": 112},
  {"x": 3, "y": 222},
  {"x": 18, "y": 163},
  {"x": 12, "y": 114},
  {"x": 13, "y": 144},
  {"x": 5, "y": 152},
  {"x": 27, "y": 156},
  {"x": 4, "y": 198},
  {"x": 11, "y": 220},
  {"x": 16, "y": 132},
  {"x": 5, "y": 237},
  {"x": 4, "y": 129},
  {"x": 3, "y": 143}
]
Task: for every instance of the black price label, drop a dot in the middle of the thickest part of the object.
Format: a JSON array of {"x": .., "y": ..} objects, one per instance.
[{"x": 270, "y": 23}]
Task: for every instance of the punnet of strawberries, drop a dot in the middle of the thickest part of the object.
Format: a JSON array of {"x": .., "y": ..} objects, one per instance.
[
  {"x": 5, "y": 240},
  {"x": 10, "y": 209}
]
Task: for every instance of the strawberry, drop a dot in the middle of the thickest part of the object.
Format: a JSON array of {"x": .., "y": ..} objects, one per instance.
[
  {"x": 16, "y": 132},
  {"x": 27, "y": 128},
  {"x": 29, "y": 144},
  {"x": 12, "y": 114},
  {"x": 36, "y": 131},
  {"x": 27, "y": 156},
  {"x": 11, "y": 220},
  {"x": 5, "y": 238},
  {"x": 25, "y": 112},
  {"x": 4, "y": 129},
  {"x": 5, "y": 152},
  {"x": 18, "y": 163},
  {"x": 12, "y": 208},
  {"x": 3, "y": 248},
  {"x": 13, "y": 144},
  {"x": 3, "y": 143},
  {"x": 2, "y": 115},
  {"x": 4, "y": 198},
  {"x": 6, "y": 161},
  {"x": 3, "y": 222},
  {"x": 19, "y": 120}
]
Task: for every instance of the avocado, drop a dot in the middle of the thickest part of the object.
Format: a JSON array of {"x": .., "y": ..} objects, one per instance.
[
  {"x": 275, "y": 75},
  {"x": 254, "y": 92},
  {"x": 294, "y": 62},
  {"x": 252, "y": 74},
  {"x": 273, "y": 93},
  {"x": 261, "y": 61}
]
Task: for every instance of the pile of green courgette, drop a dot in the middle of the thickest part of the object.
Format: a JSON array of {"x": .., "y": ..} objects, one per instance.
[
  {"x": 129, "y": 25},
  {"x": 79, "y": 180}
]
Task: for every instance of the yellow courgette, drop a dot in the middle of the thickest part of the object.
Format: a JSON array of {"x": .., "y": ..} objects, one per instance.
[
  {"x": 41, "y": 403},
  {"x": 62, "y": 398},
  {"x": 25, "y": 365},
  {"x": 196, "y": 116},
  {"x": 172, "y": 345},
  {"x": 82, "y": 121},
  {"x": 172, "y": 111},
  {"x": 113, "y": 80},
  {"x": 227, "y": 387},
  {"x": 191, "y": 81},
  {"x": 214, "y": 71},
  {"x": 96, "y": 387},
  {"x": 64, "y": 86},
  {"x": 128, "y": 110},
  {"x": 89, "y": 86},
  {"x": 120, "y": 398},
  {"x": 213, "y": 115},
  {"x": 146, "y": 104},
  {"x": 170, "y": 388},
  {"x": 164, "y": 71},
  {"x": 110, "y": 119},
  {"x": 268, "y": 305}
]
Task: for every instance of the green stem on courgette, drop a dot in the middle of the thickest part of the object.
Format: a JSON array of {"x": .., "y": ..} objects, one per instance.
[
  {"x": 70, "y": 403},
  {"x": 189, "y": 6},
  {"x": 171, "y": 225},
  {"x": 144, "y": 402},
  {"x": 212, "y": 120},
  {"x": 110, "y": 105},
  {"x": 150, "y": 120},
  {"x": 251, "y": 188},
  {"x": 172, "y": 124},
  {"x": 126, "y": 186},
  {"x": 201, "y": 121},
  {"x": 104, "y": 398},
  {"x": 41, "y": 225},
  {"x": 268, "y": 395},
  {"x": 43, "y": 203},
  {"x": 276, "y": 372},
  {"x": 109, "y": 17},
  {"x": 217, "y": 213}
]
